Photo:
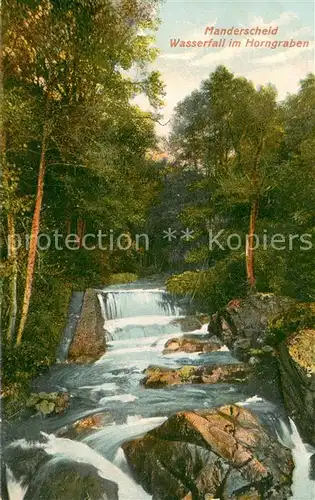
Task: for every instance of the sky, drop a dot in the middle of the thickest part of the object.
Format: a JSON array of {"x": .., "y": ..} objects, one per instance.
[{"x": 183, "y": 69}]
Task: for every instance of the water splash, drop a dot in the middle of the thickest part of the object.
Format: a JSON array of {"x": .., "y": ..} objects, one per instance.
[
  {"x": 16, "y": 490},
  {"x": 303, "y": 485}
]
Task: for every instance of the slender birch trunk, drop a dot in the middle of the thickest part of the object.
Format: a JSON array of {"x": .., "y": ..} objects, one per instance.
[
  {"x": 250, "y": 245},
  {"x": 12, "y": 251},
  {"x": 34, "y": 236}
]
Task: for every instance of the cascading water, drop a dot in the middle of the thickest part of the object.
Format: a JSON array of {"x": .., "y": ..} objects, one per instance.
[
  {"x": 134, "y": 313},
  {"x": 138, "y": 319}
]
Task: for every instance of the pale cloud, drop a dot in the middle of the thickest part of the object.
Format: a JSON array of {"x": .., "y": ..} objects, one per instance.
[
  {"x": 284, "y": 55},
  {"x": 230, "y": 53},
  {"x": 285, "y": 78},
  {"x": 183, "y": 70},
  {"x": 304, "y": 31},
  {"x": 219, "y": 56},
  {"x": 183, "y": 56},
  {"x": 199, "y": 33},
  {"x": 284, "y": 19}
]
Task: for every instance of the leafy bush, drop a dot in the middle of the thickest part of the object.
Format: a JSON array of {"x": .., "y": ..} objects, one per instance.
[
  {"x": 121, "y": 278},
  {"x": 214, "y": 287},
  {"x": 19, "y": 363},
  {"x": 299, "y": 317},
  {"x": 288, "y": 273}
]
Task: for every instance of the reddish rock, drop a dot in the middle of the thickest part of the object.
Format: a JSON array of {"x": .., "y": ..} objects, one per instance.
[
  {"x": 190, "y": 345},
  {"x": 156, "y": 376},
  {"x": 220, "y": 453},
  {"x": 85, "y": 425}
]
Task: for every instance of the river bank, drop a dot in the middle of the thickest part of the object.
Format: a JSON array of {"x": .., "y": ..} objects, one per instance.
[{"x": 140, "y": 319}]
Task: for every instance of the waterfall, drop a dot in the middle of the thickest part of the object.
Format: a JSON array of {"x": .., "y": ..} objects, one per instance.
[
  {"x": 137, "y": 312},
  {"x": 138, "y": 302},
  {"x": 303, "y": 484}
]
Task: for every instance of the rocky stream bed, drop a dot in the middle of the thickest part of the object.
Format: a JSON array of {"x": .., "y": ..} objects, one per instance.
[{"x": 153, "y": 400}]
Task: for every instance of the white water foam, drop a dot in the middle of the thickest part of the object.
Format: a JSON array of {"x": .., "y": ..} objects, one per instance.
[
  {"x": 115, "y": 324},
  {"x": 248, "y": 401},
  {"x": 124, "y": 398},
  {"x": 134, "y": 290},
  {"x": 125, "y": 303},
  {"x": 15, "y": 489},
  {"x": 202, "y": 330},
  {"x": 110, "y": 438},
  {"x": 224, "y": 348},
  {"x": 82, "y": 453},
  {"x": 302, "y": 486},
  {"x": 120, "y": 460},
  {"x": 107, "y": 386}
]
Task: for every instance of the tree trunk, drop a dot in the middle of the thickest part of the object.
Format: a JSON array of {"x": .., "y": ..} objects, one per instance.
[
  {"x": 250, "y": 245},
  {"x": 34, "y": 236},
  {"x": 13, "y": 277},
  {"x": 68, "y": 227},
  {"x": 80, "y": 231}
]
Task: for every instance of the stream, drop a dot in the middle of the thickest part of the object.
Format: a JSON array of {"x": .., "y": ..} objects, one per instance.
[{"x": 139, "y": 319}]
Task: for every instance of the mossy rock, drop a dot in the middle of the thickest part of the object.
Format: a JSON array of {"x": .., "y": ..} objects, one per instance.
[
  {"x": 121, "y": 278},
  {"x": 302, "y": 349},
  {"x": 48, "y": 402},
  {"x": 300, "y": 316},
  {"x": 186, "y": 372},
  {"x": 45, "y": 407}
]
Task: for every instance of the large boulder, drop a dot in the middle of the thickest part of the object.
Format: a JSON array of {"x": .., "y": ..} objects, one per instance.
[
  {"x": 188, "y": 323},
  {"x": 297, "y": 370},
  {"x": 243, "y": 324},
  {"x": 220, "y": 453},
  {"x": 157, "y": 377},
  {"x": 191, "y": 345},
  {"x": 86, "y": 425},
  {"x": 88, "y": 343}
]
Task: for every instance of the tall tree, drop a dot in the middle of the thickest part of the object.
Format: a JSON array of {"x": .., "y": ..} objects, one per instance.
[
  {"x": 72, "y": 57},
  {"x": 239, "y": 131}
]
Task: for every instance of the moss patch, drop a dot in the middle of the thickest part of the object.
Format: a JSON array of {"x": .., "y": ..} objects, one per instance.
[
  {"x": 121, "y": 278},
  {"x": 302, "y": 349}
]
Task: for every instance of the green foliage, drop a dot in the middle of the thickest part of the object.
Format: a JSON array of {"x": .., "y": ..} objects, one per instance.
[
  {"x": 47, "y": 318},
  {"x": 48, "y": 402},
  {"x": 215, "y": 287},
  {"x": 248, "y": 151},
  {"x": 299, "y": 317},
  {"x": 22, "y": 362},
  {"x": 120, "y": 278},
  {"x": 186, "y": 372},
  {"x": 65, "y": 80}
]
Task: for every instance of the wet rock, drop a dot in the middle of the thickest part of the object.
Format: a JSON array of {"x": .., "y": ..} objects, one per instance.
[
  {"x": 243, "y": 324},
  {"x": 188, "y": 323},
  {"x": 220, "y": 453},
  {"x": 297, "y": 371},
  {"x": 54, "y": 477},
  {"x": 65, "y": 479},
  {"x": 203, "y": 318},
  {"x": 88, "y": 343},
  {"x": 49, "y": 403},
  {"x": 156, "y": 377},
  {"x": 86, "y": 425},
  {"x": 190, "y": 345}
]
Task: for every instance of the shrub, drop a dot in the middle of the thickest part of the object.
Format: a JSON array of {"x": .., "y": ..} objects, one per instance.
[
  {"x": 299, "y": 317},
  {"x": 214, "y": 287},
  {"x": 121, "y": 278}
]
